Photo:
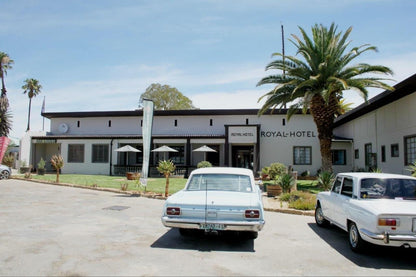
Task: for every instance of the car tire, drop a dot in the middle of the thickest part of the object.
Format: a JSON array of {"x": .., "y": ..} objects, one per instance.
[
  {"x": 4, "y": 174},
  {"x": 319, "y": 217},
  {"x": 354, "y": 238}
]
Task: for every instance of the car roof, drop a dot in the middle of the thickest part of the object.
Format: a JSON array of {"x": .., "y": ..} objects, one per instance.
[
  {"x": 361, "y": 175},
  {"x": 223, "y": 170}
]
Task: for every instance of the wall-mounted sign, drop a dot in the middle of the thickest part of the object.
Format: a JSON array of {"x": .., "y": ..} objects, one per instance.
[
  {"x": 288, "y": 134},
  {"x": 242, "y": 134}
]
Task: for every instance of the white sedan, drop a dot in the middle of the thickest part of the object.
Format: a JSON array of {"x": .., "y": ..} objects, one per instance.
[
  {"x": 372, "y": 207},
  {"x": 217, "y": 199}
]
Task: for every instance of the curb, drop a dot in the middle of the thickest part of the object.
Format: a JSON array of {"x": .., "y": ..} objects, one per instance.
[{"x": 152, "y": 196}]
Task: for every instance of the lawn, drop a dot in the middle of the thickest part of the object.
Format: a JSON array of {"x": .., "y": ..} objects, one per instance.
[{"x": 156, "y": 185}]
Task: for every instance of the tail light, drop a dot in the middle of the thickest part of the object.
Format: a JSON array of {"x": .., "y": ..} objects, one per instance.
[
  {"x": 252, "y": 214},
  {"x": 388, "y": 222},
  {"x": 173, "y": 211}
]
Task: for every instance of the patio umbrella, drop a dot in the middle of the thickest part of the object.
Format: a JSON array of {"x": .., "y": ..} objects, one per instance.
[
  {"x": 204, "y": 149},
  {"x": 127, "y": 148},
  {"x": 164, "y": 149}
]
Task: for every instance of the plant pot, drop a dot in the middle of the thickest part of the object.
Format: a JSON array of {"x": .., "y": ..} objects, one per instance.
[
  {"x": 274, "y": 190},
  {"x": 24, "y": 169},
  {"x": 41, "y": 171},
  {"x": 132, "y": 175}
]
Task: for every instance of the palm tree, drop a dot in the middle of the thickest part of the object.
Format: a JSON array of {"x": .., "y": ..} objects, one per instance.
[
  {"x": 32, "y": 88},
  {"x": 57, "y": 162},
  {"x": 166, "y": 168},
  {"x": 5, "y": 116},
  {"x": 317, "y": 82}
]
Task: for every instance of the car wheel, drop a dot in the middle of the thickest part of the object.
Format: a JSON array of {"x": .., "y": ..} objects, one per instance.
[
  {"x": 354, "y": 238},
  {"x": 4, "y": 174},
  {"x": 319, "y": 217}
]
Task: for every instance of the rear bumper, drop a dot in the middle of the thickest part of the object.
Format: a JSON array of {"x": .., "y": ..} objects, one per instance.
[
  {"x": 389, "y": 239},
  {"x": 254, "y": 226}
]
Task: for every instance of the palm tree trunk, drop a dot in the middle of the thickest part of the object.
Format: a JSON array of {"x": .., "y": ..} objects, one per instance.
[
  {"x": 28, "y": 116},
  {"x": 167, "y": 184},
  {"x": 323, "y": 115}
]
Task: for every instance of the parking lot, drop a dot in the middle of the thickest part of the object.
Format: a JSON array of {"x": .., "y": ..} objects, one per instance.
[{"x": 57, "y": 230}]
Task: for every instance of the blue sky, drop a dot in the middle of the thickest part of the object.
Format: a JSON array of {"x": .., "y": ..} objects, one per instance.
[{"x": 95, "y": 55}]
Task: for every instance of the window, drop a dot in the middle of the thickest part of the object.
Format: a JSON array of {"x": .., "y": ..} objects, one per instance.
[
  {"x": 337, "y": 185},
  {"x": 99, "y": 153},
  {"x": 109, "y": 123},
  {"x": 367, "y": 152},
  {"x": 410, "y": 149},
  {"x": 302, "y": 155},
  {"x": 175, "y": 123},
  {"x": 339, "y": 157},
  {"x": 347, "y": 187},
  {"x": 383, "y": 153},
  {"x": 246, "y": 121},
  {"x": 78, "y": 123},
  {"x": 394, "y": 150},
  {"x": 356, "y": 154},
  {"x": 210, "y": 122},
  {"x": 177, "y": 157},
  {"x": 75, "y": 153},
  {"x": 283, "y": 121}
]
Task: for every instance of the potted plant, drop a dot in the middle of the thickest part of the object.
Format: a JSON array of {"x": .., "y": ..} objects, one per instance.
[
  {"x": 41, "y": 167},
  {"x": 24, "y": 168}
]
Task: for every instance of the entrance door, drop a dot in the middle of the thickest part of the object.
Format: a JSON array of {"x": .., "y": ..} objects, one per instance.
[{"x": 243, "y": 156}]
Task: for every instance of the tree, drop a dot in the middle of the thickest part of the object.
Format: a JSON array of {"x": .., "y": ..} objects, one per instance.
[
  {"x": 166, "y": 98},
  {"x": 31, "y": 88},
  {"x": 57, "y": 162},
  {"x": 5, "y": 116},
  {"x": 166, "y": 168},
  {"x": 317, "y": 82}
]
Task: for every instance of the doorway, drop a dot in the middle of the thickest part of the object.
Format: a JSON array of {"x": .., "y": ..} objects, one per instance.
[{"x": 243, "y": 156}]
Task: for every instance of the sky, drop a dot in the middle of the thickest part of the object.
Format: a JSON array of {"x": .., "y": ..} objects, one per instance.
[{"x": 101, "y": 55}]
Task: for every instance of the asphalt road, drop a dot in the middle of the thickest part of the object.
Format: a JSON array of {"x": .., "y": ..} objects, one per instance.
[{"x": 54, "y": 230}]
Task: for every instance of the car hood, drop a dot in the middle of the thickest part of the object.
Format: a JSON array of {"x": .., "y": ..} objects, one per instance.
[
  {"x": 217, "y": 198},
  {"x": 389, "y": 206}
]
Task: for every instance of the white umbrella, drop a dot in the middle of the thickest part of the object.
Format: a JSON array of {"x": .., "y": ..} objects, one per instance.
[
  {"x": 165, "y": 149},
  {"x": 204, "y": 149},
  {"x": 127, "y": 148}
]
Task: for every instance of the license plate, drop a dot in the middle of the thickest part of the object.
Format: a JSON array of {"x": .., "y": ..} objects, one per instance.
[{"x": 212, "y": 226}]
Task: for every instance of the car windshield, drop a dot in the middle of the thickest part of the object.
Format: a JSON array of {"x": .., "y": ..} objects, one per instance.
[
  {"x": 374, "y": 188},
  {"x": 222, "y": 182}
]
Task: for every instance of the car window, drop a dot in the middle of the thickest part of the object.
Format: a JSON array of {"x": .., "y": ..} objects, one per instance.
[
  {"x": 374, "y": 188},
  {"x": 337, "y": 185},
  {"x": 222, "y": 182},
  {"x": 347, "y": 187}
]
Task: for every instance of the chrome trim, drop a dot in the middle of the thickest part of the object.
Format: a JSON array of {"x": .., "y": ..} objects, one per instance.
[
  {"x": 387, "y": 237},
  {"x": 229, "y": 225}
]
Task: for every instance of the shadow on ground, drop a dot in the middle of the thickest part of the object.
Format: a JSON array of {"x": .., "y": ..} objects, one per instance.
[
  {"x": 227, "y": 241},
  {"x": 377, "y": 257}
]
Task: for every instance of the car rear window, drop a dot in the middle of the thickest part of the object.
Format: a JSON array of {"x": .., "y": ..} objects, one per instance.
[
  {"x": 221, "y": 182},
  {"x": 372, "y": 188}
]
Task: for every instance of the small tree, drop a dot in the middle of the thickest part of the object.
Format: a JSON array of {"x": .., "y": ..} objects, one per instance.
[
  {"x": 286, "y": 181},
  {"x": 277, "y": 169},
  {"x": 57, "y": 162},
  {"x": 412, "y": 168},
  {"x": 166, "y": 168}
]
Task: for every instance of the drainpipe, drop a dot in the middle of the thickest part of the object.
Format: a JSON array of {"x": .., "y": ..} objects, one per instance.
[{"x": 111, "y": 157}]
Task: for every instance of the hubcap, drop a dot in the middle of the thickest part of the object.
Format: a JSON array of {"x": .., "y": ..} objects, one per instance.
[
  {"x": 353, "y": 235},
  {"x": 319, "y": 216}
]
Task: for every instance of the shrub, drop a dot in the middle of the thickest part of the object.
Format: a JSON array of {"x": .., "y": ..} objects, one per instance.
[
  {"x": 41, "y": 163},
  {"x": 325, "y": 179},
  {"x": 285, "y": 197},
  {"x": 8, "y": 160},
  {"x": 302, "y": 200},
  {"x": 412, "y": 168},
  {"x": 305, "y": 173},
  {"x": 204, "y": 164},
  {"x": 286, "y": 181},
  {"x": 276, "y": 169}
]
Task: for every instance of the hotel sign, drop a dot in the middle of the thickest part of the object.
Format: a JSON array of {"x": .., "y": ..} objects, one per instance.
[
  {"x": 288, "y": 134},
  {"x": 242, "y": 134}
]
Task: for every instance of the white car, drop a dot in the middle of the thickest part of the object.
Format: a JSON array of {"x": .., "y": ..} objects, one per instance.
[
  {"x": 217, "y": 199},
  {"x": 372, "y": 207},
  {"x": 5, "y": 171}
]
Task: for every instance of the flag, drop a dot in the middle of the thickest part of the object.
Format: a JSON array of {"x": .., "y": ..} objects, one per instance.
[
  {"x": 4, "y": 142},
  {"x": 147, "y": 137}
]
